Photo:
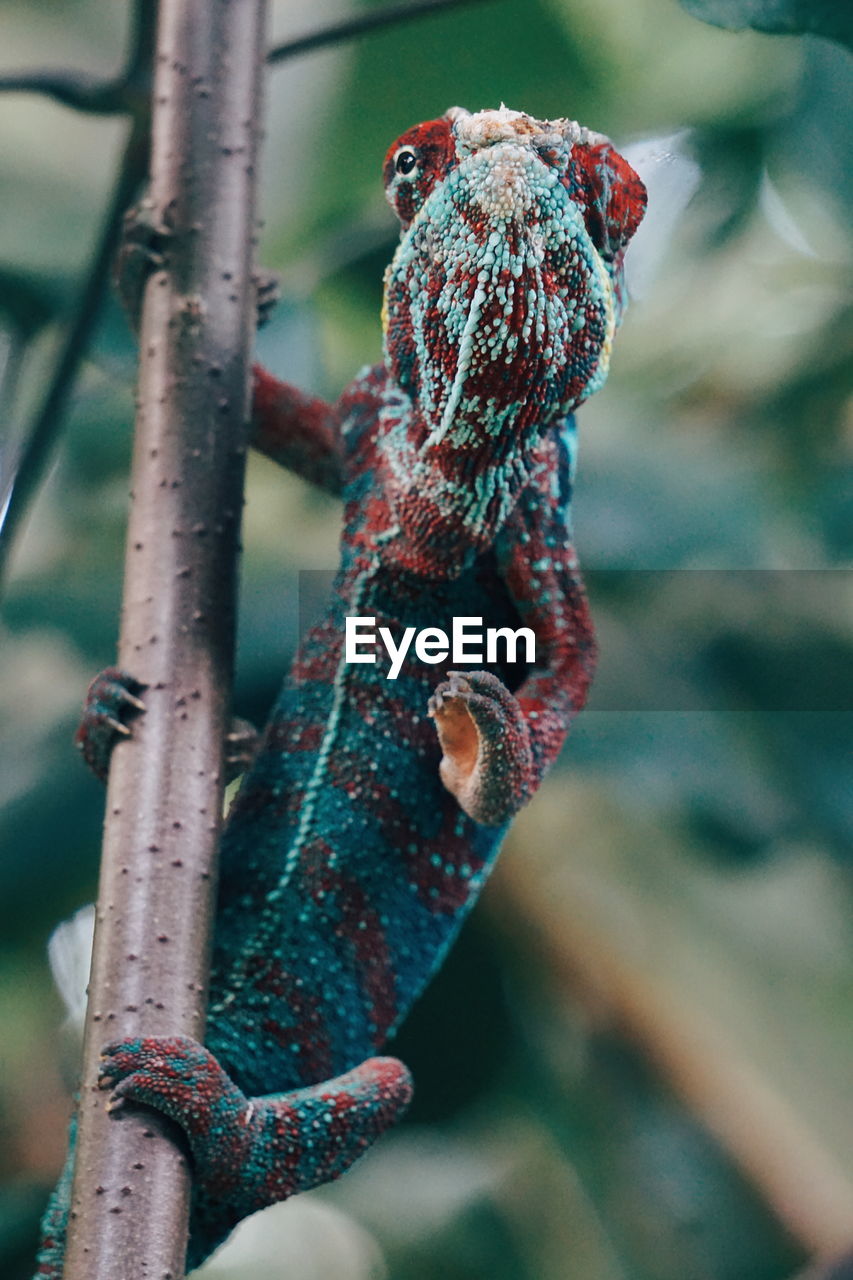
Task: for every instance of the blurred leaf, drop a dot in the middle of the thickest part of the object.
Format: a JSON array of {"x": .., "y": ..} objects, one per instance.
[
  {"x": 831, "y": 18},
  {"x": 474, "y": 57},
  {"x": 458, "y": 1037},
  {"x": 21, "y": 1207},
  {"x": 29, "y": 301}
]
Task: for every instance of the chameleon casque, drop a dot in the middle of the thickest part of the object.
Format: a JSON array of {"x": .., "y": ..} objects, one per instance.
[{"x": 360, "y": 837}]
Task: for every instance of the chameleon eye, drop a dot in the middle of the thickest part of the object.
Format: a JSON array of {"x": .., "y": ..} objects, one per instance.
[{"x": 405, "y": 161}]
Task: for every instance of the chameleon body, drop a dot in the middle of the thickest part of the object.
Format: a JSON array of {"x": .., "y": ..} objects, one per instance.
[{"x": 360, "y": 837}]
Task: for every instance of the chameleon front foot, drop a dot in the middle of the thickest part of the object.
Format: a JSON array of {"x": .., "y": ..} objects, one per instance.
[
  {"x": 486, "y": 762},
  {"x": 249, "y": 1153},
  {"x": 111, "y": 700}
]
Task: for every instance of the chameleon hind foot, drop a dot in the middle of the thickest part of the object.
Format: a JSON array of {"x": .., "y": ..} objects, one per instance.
[
  {"x": 249, "y": 1153},
  {"x": 486, "y": 760}
]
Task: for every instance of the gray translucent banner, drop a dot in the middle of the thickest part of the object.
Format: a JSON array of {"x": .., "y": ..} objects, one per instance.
[{"x": 705, "y": 639}]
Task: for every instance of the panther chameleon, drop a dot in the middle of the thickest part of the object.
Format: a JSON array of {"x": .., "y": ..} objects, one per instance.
[{"x": 367, "y": 824}]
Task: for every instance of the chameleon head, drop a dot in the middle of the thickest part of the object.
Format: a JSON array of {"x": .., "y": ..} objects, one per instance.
[{"x": 503, "y": 296}]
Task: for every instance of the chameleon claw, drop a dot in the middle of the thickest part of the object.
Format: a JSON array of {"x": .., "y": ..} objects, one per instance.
[
  {"x": 242, "y": 742},
  {"x": 131, "y": 700},
  {"x": 106, "y": 1079},
  {"x": 267, "y": 295},
  {"x": 454, "y": 686}
]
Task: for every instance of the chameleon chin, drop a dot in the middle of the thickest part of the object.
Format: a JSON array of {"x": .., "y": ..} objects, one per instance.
[{"x": 368, "y": 823}]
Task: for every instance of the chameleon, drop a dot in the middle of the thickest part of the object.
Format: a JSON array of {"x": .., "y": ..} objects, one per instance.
[{"x": 373, "y": 811}]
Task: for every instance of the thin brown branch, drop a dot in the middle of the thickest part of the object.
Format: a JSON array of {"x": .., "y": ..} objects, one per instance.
[
  {"x": 164, "y": 801},
  {"x": 350, "y": 28},
  {"x": 92, "y": 94},
  {"x": 86, "y": 93},
  {"x": 73, "y": 89},
  {"x": 50, "y": 416}
]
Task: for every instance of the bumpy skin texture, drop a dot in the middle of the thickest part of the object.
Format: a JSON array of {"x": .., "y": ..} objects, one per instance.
[{"x": 361, "y": 836}]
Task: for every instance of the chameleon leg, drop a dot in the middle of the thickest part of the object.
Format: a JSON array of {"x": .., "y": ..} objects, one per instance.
[
  {"x": 249, "y": 1153},
  {"x": 113, "y": 699},
  {"x": 486, "y": 762}
]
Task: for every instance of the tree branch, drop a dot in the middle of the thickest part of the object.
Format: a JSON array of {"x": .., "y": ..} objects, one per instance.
[
  {"x": 149, "y": 969},
  {"x": 87, "y": 93},
  {"x": 50, "y": 415},
  {"x": 73, "y": 89},
  {"x": 83, "y": 92},
  {"x": 349, "y": 28},
  {"x": 134, "y": 90}
]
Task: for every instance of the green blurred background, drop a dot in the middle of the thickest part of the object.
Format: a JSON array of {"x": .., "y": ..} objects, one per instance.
[{"x": 636, "y": 1063}]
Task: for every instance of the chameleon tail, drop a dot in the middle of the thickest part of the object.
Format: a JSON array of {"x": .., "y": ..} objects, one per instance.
[
  {"x": 70, "y": 952},
  {"x": 55, "y": 1221}
]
